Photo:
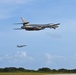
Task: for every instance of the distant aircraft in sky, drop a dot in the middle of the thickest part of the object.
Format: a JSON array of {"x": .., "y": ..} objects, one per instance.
[
  {"x": 19, "y": 46},
  {"x": 35, "y": 27}
]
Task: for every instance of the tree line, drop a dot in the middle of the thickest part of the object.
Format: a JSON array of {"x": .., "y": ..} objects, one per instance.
[{"x": 44, "y": 69}]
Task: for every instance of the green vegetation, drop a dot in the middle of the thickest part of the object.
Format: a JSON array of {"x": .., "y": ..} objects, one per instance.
[
  {"x": 62, "y": 70},
  {"x": 20, "y": 70},
  {"x": 23, "y": 73}
]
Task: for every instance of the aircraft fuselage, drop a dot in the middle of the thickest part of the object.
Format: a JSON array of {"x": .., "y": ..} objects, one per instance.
[{"x": 32, "y": 27}]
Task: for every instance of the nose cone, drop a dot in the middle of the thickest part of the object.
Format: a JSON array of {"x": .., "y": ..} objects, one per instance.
[{"x": 59, "y": 23}]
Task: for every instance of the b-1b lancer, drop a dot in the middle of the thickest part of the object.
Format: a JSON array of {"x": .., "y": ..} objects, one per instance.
[{"x": 35, "y": 27}]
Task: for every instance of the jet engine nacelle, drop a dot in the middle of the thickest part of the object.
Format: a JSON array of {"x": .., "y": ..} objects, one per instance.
[{"x": 54, "y": 27}]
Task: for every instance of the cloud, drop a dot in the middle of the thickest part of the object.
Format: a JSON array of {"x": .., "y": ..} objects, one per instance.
[
  {"x": 54, "y": 35},
  {"x": 8, "y": 7},
  {"x": 68, "y": 25},
  {"x": 20, "y": 56},
  {"x": 13, "y": 1},
  {"x": 5, "y": 13},
  {"x": 50, "y": 59}
]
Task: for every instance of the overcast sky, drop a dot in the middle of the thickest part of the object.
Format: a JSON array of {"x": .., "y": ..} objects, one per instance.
[{"x": 46, "y": 48}]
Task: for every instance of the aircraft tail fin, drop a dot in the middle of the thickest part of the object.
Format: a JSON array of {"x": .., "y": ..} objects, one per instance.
[{"x": 24, "y": 21}]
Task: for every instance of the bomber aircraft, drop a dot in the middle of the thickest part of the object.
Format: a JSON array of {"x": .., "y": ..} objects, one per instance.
[
  {"x": 35, "y": 27},
  {"x": 19, "y": 46}
]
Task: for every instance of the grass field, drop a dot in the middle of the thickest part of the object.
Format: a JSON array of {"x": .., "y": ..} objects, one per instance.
[{"x": 25, "y": 73}]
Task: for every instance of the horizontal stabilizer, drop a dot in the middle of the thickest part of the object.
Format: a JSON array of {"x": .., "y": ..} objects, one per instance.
[
  {"x": 21, "y": 23},
  {"x": 17, "y": 23},
  {"x": 17, "y": 28}
]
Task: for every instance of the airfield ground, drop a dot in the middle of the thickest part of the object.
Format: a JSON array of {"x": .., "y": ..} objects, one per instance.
[{"x": 25, "y": 73}]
